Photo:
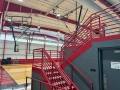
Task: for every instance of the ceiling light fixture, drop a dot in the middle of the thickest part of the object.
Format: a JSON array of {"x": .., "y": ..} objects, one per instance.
[
  {"x": 20, "y": 0},
  {"x": 38, "y": 26},
  {"x": 58, "y": 14},
  {"x": 9, "y": 20}
]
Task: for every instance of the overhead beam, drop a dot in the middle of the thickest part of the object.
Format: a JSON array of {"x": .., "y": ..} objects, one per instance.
[
  {"x": 108, "y": 4},
  {"x": 63, "y": 16},
  {"x": 1, "y": 5},
  {"x": 33, "y": 26},
  {"x": 19, "y": 8},
  {"x": 54, "y": 7}
]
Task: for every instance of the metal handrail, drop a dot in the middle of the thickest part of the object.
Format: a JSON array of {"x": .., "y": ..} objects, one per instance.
[
  {"x": 40, "y": 81},
  {"x": 79, "y": 71}
]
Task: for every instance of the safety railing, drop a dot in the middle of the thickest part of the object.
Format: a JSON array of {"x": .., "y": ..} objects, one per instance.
[
  {"x": 109, "y": 20},
  {"x": 43, "y": 85},
  {"x": 54, "y": 54},
  {"x": 37, "y": 57},
  {"x": 59, "y": 69},
  {"x": 100, "y": 24},
  {"x": 72, "y": 70}
]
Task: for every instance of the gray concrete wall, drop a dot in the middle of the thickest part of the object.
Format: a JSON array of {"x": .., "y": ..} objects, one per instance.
[
  {"x": 35, "y": 84},
  {"x": 88, "y": 61}
]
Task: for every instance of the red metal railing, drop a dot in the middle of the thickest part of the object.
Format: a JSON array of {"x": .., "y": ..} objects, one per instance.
[
  {"x": 100, "y": 24},
  {"x": 54, "y": 54},
  {"x": 110, "y": 21},
  {"x": 71, "y": 66},
  {"x": 47, "y": 62},
  {"x": 43, "y": 84}
]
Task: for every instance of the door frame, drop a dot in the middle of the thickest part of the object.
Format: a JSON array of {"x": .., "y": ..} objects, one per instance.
[
  {"x": 100, "y": 65},
  {"x": 100, "y": 68}
]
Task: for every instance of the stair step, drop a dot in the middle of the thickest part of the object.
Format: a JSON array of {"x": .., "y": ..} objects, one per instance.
[
  {"x": 52, "y": 72},
  {"x": 48, "y": 67}
]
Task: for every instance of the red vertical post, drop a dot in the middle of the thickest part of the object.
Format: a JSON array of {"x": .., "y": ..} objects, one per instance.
[
  {"x": 42, "y": 59},
  {"x": 33, "y": 57},
  {"x": 99, "y": 27},
  {"x": 44, "y": 41},
  {"x": 91, "y": 26},
  {"x": 50, "y": 54},
  {"x": 4, "y": 46},
  {"x": 57, "y": 47}
]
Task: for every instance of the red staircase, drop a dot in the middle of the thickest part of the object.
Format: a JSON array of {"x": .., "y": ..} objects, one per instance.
[
  {"x": 52, "y": 72},
  {"x": 100, "y": 26}
]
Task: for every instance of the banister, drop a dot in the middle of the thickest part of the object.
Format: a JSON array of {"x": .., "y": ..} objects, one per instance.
[
  {"x": 40, "y": 81},
  {"x": 106, "y": 8},
  {"x": 57, "y": 67},
  {"x": 79, "y": 71}
]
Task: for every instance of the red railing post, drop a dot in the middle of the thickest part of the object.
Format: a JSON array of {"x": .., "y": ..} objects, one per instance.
[
  {"x": 4, "y": 46},
  {"x": 50, "y": 53},
  {"x": 91, "y": 26},
  {"x": 33, "y": 57}
]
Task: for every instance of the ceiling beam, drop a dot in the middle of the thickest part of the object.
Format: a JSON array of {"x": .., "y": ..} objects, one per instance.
[
  {"x": 57, "y": 5},
  {"x": 18, "y": 8},
  {"x": 33, "y": 26},
  {"x": 108, "y": 4},
  {"x": 63, "y": 16},
  {"x": 1, "y": 5}
]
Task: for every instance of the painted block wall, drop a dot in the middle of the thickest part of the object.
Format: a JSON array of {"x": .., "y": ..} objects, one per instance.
[
  {"x": 35, "y": 84},
  {"x": 88, "y": 61},
  {"x": 9, "y": 50}
]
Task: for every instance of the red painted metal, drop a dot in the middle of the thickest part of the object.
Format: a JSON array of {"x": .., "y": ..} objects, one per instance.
[
  {"x": 99, "y": 25},
  {"x": 68, "y": 62},
  {"x": 43, "y": 83},
  {"x": 4, "y": 46},
  {"x": 108, "y": 4},
  {"x": 19, "y": 8},
  {"x": 44, "y": 41},
  {"x": 49, "y": 67},
  {"x": 1, "y": 5}
]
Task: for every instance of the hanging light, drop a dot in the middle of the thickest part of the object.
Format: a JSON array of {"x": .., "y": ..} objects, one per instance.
[
  {"x": 9, "y": 19},
  {"x": 20, "y": 0},
  {"x": 38, "y": 26},
  {"x": 58, "y": 15}
]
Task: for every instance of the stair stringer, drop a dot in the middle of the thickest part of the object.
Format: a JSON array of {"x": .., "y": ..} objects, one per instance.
[{"x": 43, "y": 75}]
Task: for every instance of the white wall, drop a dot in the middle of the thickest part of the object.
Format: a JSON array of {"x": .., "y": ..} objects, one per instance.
[{"x": 9, "y": 49}]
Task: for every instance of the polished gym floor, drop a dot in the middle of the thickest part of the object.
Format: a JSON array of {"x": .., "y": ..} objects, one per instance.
[{"x": 13, "y": 77}]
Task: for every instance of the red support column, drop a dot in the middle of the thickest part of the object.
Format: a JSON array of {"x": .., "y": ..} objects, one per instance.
[
  {"x": 4, "y": 46},
  {"x": 57, "y": 47},
  {"x": 44, "y": 41},
  {"x": 2, "y": 4}
]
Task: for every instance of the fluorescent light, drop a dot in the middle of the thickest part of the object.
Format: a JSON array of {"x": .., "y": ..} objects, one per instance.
[
  {"x": 58, "y": 14},
  {"x": 20, "y": 0},
  {"x": 9, "y": 19}
]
